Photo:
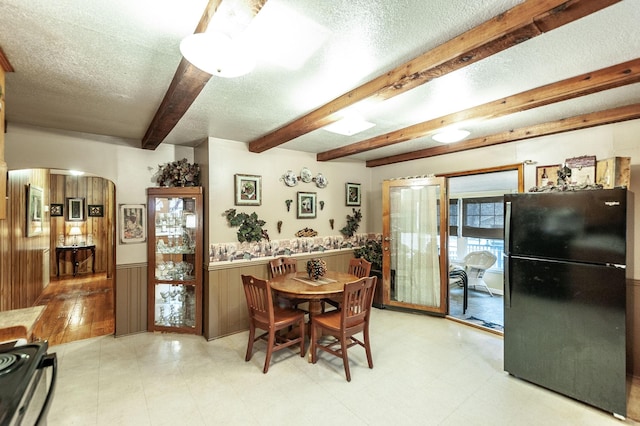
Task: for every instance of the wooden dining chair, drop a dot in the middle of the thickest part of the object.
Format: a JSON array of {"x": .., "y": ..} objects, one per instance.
[
  {"x": 265, "y": 315},
  {"x": 281, "y": 266},
  {"x": 341, "y": 325},
  {"x": 359, "y": 267}
]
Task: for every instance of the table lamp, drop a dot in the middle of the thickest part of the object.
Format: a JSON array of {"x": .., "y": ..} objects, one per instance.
[{"x": 75, "y": 231}]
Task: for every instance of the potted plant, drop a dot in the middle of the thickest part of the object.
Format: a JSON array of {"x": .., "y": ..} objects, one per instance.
[{"x": 372, "y": 252}]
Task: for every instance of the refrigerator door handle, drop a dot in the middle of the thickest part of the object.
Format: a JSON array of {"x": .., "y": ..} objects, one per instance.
[
  {"x": 507, "y": 228},
  {"x": 615, "y": 265},
  {"x": 507, "y": 282}
]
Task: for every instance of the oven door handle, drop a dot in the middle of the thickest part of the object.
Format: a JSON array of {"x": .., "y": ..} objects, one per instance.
[{"x": 49, "y": 360}]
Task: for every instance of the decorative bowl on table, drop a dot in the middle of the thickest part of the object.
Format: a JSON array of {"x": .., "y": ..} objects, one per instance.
[{"x": 316, "y": 268}]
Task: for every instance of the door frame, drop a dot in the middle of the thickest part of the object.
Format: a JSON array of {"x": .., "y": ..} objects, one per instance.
[
  {"x": 444, "y": 234},
  {"x": 519, "y": 167}
]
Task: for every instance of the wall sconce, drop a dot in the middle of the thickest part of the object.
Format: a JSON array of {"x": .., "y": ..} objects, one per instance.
[{"x": 74, "y": 232}]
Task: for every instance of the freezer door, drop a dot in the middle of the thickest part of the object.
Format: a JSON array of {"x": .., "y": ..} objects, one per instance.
[
  {"x": 581, "y": 226},
  {"x": 565, "y": 329}
]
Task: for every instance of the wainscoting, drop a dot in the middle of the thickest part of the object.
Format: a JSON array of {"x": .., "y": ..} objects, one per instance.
[
  {"x": 131, "y": 299},
  {"x": 225, "y": 308}
]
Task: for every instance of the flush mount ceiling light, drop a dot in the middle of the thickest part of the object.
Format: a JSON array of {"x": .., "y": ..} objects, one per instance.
[
  {"x": 450, "y": 136},
  {"x": 218, "y": 54},
  {"x": 349, "y": 126}
]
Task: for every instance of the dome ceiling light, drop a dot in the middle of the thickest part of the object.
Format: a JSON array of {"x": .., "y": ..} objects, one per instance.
[
  {"x": 450, "y": 136},
  {"x": 218, "y": 54}
]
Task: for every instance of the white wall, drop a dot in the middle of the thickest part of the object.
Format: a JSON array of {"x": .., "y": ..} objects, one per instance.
[
  {"x": 614, "y": 140},
  {"x": 130, "y": 168},
  {"x": 227, "y": 158}
]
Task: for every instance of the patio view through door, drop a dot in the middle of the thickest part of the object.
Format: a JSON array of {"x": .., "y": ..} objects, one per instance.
[{"x": 415, "y": 228}]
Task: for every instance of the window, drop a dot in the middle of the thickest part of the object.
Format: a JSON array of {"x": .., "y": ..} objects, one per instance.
[
  {"x": 483, "y": 217},
  {"x": 453, "y": 217}
]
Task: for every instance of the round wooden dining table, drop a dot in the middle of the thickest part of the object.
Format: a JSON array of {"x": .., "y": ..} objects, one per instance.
[{"x": 298, "y": 285}]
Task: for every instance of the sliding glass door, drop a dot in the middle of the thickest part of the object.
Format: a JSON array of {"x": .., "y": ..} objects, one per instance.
[{"x": 415, "y": 231}]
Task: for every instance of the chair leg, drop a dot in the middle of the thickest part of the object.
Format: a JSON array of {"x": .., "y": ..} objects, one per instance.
[
  {"x": 367, "y": 347},
  {"x": 488, "y": 289},
  {"x": 252, "y": 333},
  {"x": 270, "y": 343},
  {"x": 302, "y": 339},
  {"x": 314, "y": 355},
  {"x": 345, "y": 357}
]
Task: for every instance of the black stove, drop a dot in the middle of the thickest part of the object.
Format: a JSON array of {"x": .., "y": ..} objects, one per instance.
[
  {"x": 7, "y": 361},
  {"x": 25, "y": 392}
]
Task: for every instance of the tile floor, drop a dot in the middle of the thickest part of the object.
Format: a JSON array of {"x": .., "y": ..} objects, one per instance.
[{"x": 427, "y": 371}]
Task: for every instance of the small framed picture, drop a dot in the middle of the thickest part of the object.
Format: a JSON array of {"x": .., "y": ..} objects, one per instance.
[
  {"x": 35, "y": 206},
  {"x": 352, "y": 193},
  {"x": 248, "y": 190},
  {"x": 547, "y": 175},
  {"x": 132, "y": 221},
  {"x": 95, "y": 210},
  {"x": 307, "y": 202},
  {"x": 75, "y": 209},
  {"x": 583, "y": 169},
  {"x": 56, "y": 210}
]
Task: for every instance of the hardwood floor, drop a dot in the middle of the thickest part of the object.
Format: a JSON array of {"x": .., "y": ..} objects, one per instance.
[{"x": 76, "y": 308}]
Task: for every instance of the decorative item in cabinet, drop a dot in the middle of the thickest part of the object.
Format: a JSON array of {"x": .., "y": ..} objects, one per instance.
[{"x": 174, "y": 252}]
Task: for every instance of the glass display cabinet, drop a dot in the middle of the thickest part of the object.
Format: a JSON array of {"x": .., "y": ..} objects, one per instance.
[{"x": 175, "y": 250}]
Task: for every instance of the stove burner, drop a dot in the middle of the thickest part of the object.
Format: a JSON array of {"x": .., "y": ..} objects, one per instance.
[{"x": 6, "y": 361}]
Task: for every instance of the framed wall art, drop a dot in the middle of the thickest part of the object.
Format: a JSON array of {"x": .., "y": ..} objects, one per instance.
[
  {"x": 56, "y": 210},
  {"x": 547, "y": 175},
  {"x": 583, "y": 169},
  {"x": 95, "y": 210},
  {"x": 352, "y": 194},
  {"x": 131, "y": 221},
  {"x": 35, "y": 206},
  {"x": 75, "y": 209},
  {"x": 248, "y": 190},
  {"x": 307, "y": 202}
]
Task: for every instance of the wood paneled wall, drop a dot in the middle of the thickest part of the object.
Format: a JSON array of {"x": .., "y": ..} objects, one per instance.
[
  {"x": 3, "y": 164},
  {"x": 22, "y": 262},
  {"x": 21, "y": 275},
  {"x": 225, "y": 307},
  {"x": 131, "y": 299},
  {"x": 94, "y": 191}
]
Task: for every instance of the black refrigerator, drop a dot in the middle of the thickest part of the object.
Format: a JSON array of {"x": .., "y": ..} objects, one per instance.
[{"x": 565, "y": 293}]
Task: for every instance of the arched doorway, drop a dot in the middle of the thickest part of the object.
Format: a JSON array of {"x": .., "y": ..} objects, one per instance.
[{"x": 77, "y": 210}]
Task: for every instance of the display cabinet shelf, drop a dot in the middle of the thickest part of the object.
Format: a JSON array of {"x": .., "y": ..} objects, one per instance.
[{"x": 175, "y": 250}]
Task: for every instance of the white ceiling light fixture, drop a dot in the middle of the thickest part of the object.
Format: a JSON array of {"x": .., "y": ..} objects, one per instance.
[
  {"x": 349, "y": 126},
  {"x": 224, "y": 49},
  {"x": 218, "y": 54},
  {"x": 285, "y": 37},
  {"x": 451, "y": 135}
]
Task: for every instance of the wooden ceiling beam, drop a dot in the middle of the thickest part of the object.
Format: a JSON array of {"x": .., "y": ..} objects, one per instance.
[
  {"x": 615, "y": 115},
  {"x": 512, "y": 27},
  {"x": 4, "y": 62},
  {"x": 585, "y": 84},
  {"x": 186, "y": 85}
]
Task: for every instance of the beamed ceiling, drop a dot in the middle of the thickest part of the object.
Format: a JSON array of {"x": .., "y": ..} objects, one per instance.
[{"x": 503, "y": 70}]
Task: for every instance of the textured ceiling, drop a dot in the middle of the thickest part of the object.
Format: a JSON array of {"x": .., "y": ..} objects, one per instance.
[{"x": 103, "y": 67}]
